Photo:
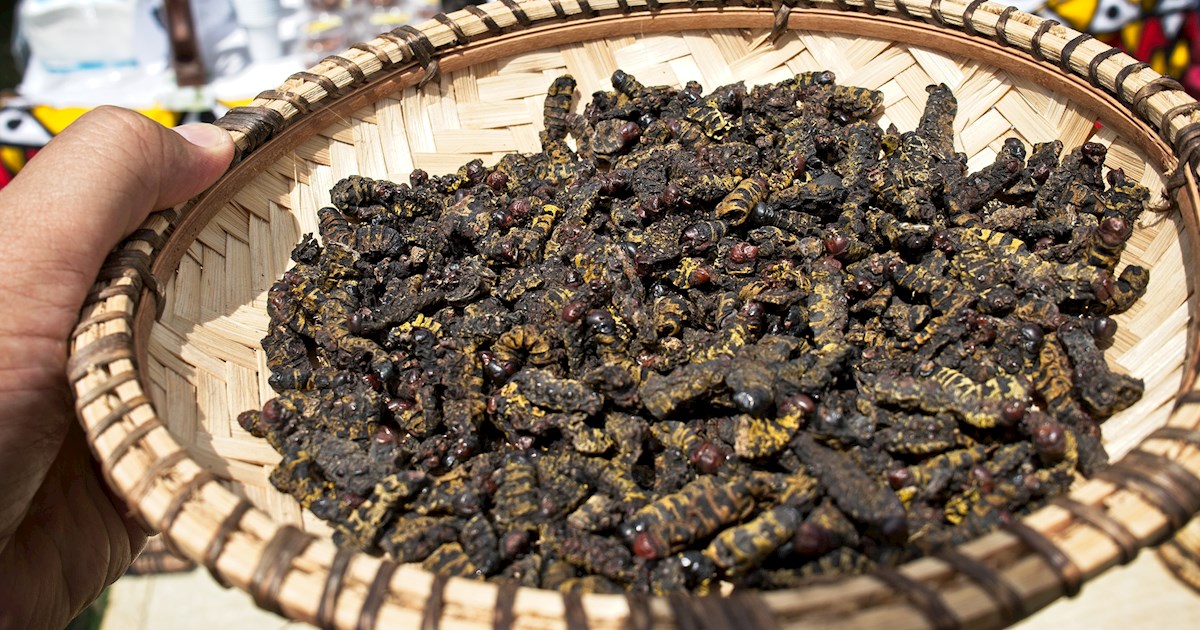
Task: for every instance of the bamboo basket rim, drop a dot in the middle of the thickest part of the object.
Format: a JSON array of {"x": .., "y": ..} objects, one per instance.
[{"x": 1140, "y": 501}]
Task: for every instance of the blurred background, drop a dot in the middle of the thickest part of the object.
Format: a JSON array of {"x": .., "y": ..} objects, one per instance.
[
  {"x": 180, "y": 61},
  {"x": 8, "y": 69},
  {"x": 175, "y": 61}
]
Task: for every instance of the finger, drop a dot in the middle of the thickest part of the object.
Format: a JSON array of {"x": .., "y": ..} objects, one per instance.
[{"x": 91, "y": 185}]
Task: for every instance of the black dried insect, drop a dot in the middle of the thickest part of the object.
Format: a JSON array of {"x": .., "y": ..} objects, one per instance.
[{"x": 747, "y": 337}]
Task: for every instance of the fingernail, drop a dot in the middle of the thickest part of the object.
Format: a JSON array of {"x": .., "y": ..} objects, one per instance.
[{"x": 202, "y": 134}]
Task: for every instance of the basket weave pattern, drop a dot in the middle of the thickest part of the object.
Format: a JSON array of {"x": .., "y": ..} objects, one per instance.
[{"x": 166, "y": 353}]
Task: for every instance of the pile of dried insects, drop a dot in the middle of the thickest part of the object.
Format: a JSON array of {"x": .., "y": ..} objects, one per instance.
[{"x": 744, "y": 337}]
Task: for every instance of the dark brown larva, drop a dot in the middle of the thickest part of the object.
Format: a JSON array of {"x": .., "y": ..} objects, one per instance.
[{"x": 741, "y": 337}]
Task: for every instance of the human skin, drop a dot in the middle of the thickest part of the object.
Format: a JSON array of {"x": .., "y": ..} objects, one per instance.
[{"x": 63, "y": 536}]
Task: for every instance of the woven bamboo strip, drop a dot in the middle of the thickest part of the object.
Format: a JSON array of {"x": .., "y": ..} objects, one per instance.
[
  {"x": 1181, "y": 555},
  {"x": 205, "y": 367},
  {"x": 998, "y": 122}
]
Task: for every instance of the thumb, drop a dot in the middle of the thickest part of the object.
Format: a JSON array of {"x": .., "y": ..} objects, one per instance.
[{"x": 89, "y": 187}]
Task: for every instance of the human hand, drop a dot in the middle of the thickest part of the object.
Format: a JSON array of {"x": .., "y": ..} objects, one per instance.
[{"x": 63, "y": 538}]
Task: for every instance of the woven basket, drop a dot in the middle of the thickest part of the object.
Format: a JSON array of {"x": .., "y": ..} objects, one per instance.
[{"x": 167, "y": 351}]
